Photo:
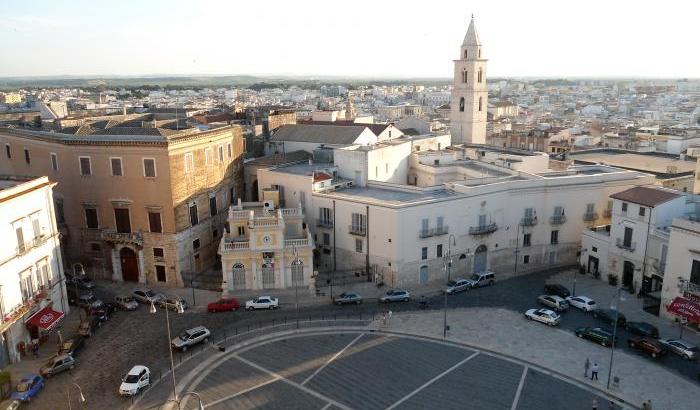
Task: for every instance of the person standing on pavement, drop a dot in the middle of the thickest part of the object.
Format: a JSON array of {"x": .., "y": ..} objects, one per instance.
[
  {"x": 586, "y": 367},
  {"x": 594, "y": 371}
]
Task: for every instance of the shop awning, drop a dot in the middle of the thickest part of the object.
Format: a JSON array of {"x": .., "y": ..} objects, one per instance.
[
  {"x": 685, "y": 308},
  {"x": 46, "y": 318}
]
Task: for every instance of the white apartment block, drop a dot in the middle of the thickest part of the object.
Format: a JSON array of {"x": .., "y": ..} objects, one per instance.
[{"x": 32, "y": 287}]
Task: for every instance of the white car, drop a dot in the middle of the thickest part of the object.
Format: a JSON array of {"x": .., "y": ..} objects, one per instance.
[
  {"x": 138, "y": 378},
  {"x": 147, "y": 296},
  {"x": 582, "y": 302},
  {"x": 546, "y": 316},
  {"x": 262, "y": 302}
]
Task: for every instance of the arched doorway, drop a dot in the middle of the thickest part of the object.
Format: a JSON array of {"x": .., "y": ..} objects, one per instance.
[
  {"x": 423, "y": 274},
  {"x": 130, "y": 266},
  {"x": 268, "y": 275},
  {"x": 238, "y": 276},
  {"x": 627, "y": 274},
  {"x": 480, "y": 259}
]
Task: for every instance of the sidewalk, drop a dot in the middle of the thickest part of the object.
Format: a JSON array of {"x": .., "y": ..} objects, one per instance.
[{"x": 506, "y": 332}]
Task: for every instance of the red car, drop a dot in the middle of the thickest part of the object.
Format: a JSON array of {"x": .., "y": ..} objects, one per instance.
[{"x": 223, "y": 305}]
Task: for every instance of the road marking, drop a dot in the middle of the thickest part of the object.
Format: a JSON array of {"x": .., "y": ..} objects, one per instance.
[
  {"x": 431, "y": 381},
  {"x": 520, "y": 389},
  {"x": 326, "y": 406},
  {"x": 335, "y": 356},
  {"x": 249, "y": 389},
  {"x": 297, "y": 385}
]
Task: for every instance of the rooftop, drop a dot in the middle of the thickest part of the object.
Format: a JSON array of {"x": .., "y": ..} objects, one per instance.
[
  {"x": 659, "y": 164},
  {"x": 646, "y": 196},
  {"x": 304, "y": 168},
  {"x": 322, "y": 134},
  {"x": 395, "y": 197}
]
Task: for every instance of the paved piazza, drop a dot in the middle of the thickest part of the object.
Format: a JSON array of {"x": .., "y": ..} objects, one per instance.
[{"x": 372, "y": 370}]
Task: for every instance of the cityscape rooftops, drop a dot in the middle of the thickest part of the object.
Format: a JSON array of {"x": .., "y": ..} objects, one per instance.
[
  {"x": 646, "y": 196},
  {"x": 662, "y": 165},
  {"x": 329, "y": 134}
]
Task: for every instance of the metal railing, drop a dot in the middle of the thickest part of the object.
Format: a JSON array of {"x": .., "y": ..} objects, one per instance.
[
  {"x": 111, "y": 235},
  {"x": 426, "y": 233},
  {"x": 628, "y": 246},
  {"x": 557, "y": 219},
  {"x": 359, "y": 230},
  {"x": 236, "y": 246},
  {"x": 528, "y": 221},
  {"x": 291, "y": 243},
  {"x": 324, "y": 223},
  {"x": 442, "y": 230},
  {"x": 483, "y": 229},
  {"x": 590, "y": 216}
]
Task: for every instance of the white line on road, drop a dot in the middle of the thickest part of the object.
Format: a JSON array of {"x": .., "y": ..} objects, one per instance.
[
  {"x": 297, "y": 385},
  {"x": 431, "y": 381},
  {"x": 249, "y": 389},
  {"x": 335, "y": 356},
  {"x": 520, "y": 389},
  {"x": 326, "y": 406}
]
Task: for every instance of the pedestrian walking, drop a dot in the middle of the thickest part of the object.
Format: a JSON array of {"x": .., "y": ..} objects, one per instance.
[
  {"x": 384, "y": 319},
  {"x": 35, "y": 349},
  {"x": 594, "y": 371},
  {"x": 594, "y": 405},
  {"x": 586, "y": 367},
  {"x": 390, "y": 313}
]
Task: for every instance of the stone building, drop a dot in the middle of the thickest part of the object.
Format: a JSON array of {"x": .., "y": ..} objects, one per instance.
[{"x": 135, "y": 203}]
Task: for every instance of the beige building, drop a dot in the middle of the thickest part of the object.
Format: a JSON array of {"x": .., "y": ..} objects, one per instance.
[{"x": 135, "y": 203}]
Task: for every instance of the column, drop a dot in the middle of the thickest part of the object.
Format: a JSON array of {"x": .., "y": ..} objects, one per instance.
[
  {"x": 116, "y": 266},
  {"x": 142, "y": 268},
  {"x": 256, "y": 282}
]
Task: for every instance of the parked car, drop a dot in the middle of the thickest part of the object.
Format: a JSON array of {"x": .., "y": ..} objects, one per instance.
[
  {"x": 545, "y": 316},
  {"x": 102, "y": 313},
  {"x": 72, "y": 296},
  {"x": 72, "y": 346},
  {"x": 138, "y": 378},
  {"x": 681, "y": 348},
  {"x": 608, "y": 316},
  {"x": 555, "y": 302},
  {"x": 89, "y": 301},
  {"x": 223, "y": 305},
  {"x": 125, "y": 302},
  {"x": 456, "y": 286},
  {"x": 171, "y": 303},
  {"x": 557, "y": 289},
  {"x": 582, "y": 302},
  {"x": 347, "y": 298},
  {"x": 30, "y": 385},
  {"x": 88, "y": 326},
  {"x": 262, "y": 302},
  {"x": 57, "y": 364},
  {"x": 642, "y": 329},
  {"x": 83, "y": 282},
  {"x": 395, "y": 296},
  {"x": 191, "y": 337},
  {"x": 147, "y": 296},
  {"x": 482, "y": 279},
  {"x": 595, "y": 334},
  {"x": 646, "y": 345}
]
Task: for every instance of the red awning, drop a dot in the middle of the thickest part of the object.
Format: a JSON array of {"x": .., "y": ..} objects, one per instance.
[
  {"x": 46, "y": 318},
  {"x": 685, "y": 308}
]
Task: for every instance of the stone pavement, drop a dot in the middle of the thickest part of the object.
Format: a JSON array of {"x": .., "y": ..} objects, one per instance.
[{"x": 508, "y": 333}]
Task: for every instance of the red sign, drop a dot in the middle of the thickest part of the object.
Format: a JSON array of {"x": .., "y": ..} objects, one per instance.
[
  {"x": 46, "y": 318},
  {"x": 686, "y": 309}
]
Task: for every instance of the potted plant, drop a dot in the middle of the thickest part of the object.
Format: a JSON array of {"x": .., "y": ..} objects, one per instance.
[{"x": 612, "y": 279}]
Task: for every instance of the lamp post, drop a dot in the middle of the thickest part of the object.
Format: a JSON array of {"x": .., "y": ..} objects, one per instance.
[
  {"x": 200, "y": 405},
  {"x": 448, "y": 269},
  {"x": 612, "y": 346},
  {"x": 297, "y": 264},
  {"x": 179, "y": 308}
]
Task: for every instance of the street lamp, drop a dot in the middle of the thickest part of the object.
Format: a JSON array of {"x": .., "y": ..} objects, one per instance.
[
  {"x": 448, "y": 268},
  {"x": 200, "y": 405},
  {"x": 297, "y": 265},
  {"x": 180, "y": 309},
  {"x": 82, "y": 397},
  {"x": 616, "y": 306}
]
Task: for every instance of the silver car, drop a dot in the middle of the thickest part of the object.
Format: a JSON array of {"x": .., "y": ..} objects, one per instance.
[
  {"x": 147, "y": 296},
  {"x": 555, "y": 302},
  {"x": 191, "y": 337},
  {"x": 347, "y": 298},
  {"x": 456, "y": 286},
  {"x": 396, "y": 296},
  {"x": 681, "y": 348}
]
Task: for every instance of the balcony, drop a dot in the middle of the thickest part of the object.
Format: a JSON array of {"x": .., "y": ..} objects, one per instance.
[
  {"x": 237, "y": 246},
  {"x": 426, "y": 233},
  {"x": 442, "y": 230},
  {"x": 27, "y": 246},
  {"x": 292, "y": 212},
  {"x": 297, "y": 243},
  {"x": 357, "y": 230},
  {"x": 30, "y": 305},
  {"x": 628, "y": 246},
  {"x": 324, "y": 223},
  {"x": 528, "y": 221},
  {"x": 590, "y": 216},
  {"x": 557, "y": 219},
  {"x": 132, "y": 238},
  {"x": 483, "y": 229},
  {"x": 266, "y": 221}
]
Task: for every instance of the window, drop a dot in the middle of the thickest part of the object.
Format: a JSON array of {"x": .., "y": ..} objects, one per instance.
[
  {"x": 526, "y": 240},
  {"x": 624, "y": 207},
  {"x": 376, "y": 172},
  {"x": 27, "y": 158},
  {"x": 194, "y": 218},
  {"x": 424, "y": 253},
  {"x": 149, "y": 167},
  {"x": 60, "y": 215},
  {"x": 158, "y": 252},
  {"x": 215, "y": 233},
  {"x": 221, "y": 153},
  {"x": 695, "y": 272},
  {"x": 212, "y": 205},
  {"x": 54, "y": 161},
  {"x": 466, "y": 53},
  {"x": 590, "y": 208},
  {"x": 554, "y": 237},
  {"x": 241, "y": 231},
  {"x": 358, "y": 245},
  {"x": 558, "y": 211},
  {"x": 326, "y": 238},
  {"x": 195, "y": 244},
  {"x": 461, "y": 104},
  {"x": 116, "y": 165},
  {"x": 36, "y": 226},
  {"x": 189, "y": 162},
  {"x": 21, "y": 247},
  {"x": 229, "y": 149},
  {"x": 480, "y": 100},
  {"x": 154, "y": 222},
  {"x": 85, "y": 166},
  {"x": 526, "y": 259},
  {"x": 160, "y": 273},
  {"x": 438, "y": 251},
  {"x": 482, "y": 220},
  {"x": 642, "y": 211},
  {"x": 8, "y": 151},
  {"x": 123, "y": 220},
  {"x": 91, "y": 218},
  {"x": 440, "y": 223},
  {"x": 465, "y": 74},
  {"x": 480, "y": 78},
  {"x": 208, "y": 156},
  {"x": 627, "y": 240},
  {"x": 424, "y": 225},
  {"x": 359, "y": 222},
  {"x": 231, "y": 196}
]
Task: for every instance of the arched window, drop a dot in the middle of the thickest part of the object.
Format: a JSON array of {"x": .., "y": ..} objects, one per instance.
[
  {"x": 479, "y": 53},
  {"x": 479, "y": 75},
  {"x": 465, "y": 54},
  {"x": 238, "y": 276},
  {"x": 461, "y": 104},
  {"x": 479, "y": 103},
  {"x": 465, "y": 74}
]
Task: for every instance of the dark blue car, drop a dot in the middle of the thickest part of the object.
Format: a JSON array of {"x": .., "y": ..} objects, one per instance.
[{"x": 28, "y": 387}]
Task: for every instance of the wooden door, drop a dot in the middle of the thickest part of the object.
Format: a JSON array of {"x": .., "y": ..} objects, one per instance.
[{"x": 130, "y": 267}]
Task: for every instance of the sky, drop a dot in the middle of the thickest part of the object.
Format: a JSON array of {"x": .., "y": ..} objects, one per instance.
[{"x": 358, "y": 38}]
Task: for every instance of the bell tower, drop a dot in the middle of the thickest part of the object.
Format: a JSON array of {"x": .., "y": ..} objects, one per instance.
[{"x": 469, "y": 92}]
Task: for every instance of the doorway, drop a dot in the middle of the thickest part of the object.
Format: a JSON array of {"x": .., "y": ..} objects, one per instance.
[
  {"x": 480, "y": 259},
  {"x": 592, "y": 265},
  {"x": 130, "y": 267},
  {"x": 627, "y": 274},
  {"x": 423, "y": 274}
]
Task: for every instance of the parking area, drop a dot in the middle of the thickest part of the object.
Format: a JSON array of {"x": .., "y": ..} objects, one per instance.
[{"x": 362, "y": 370}]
